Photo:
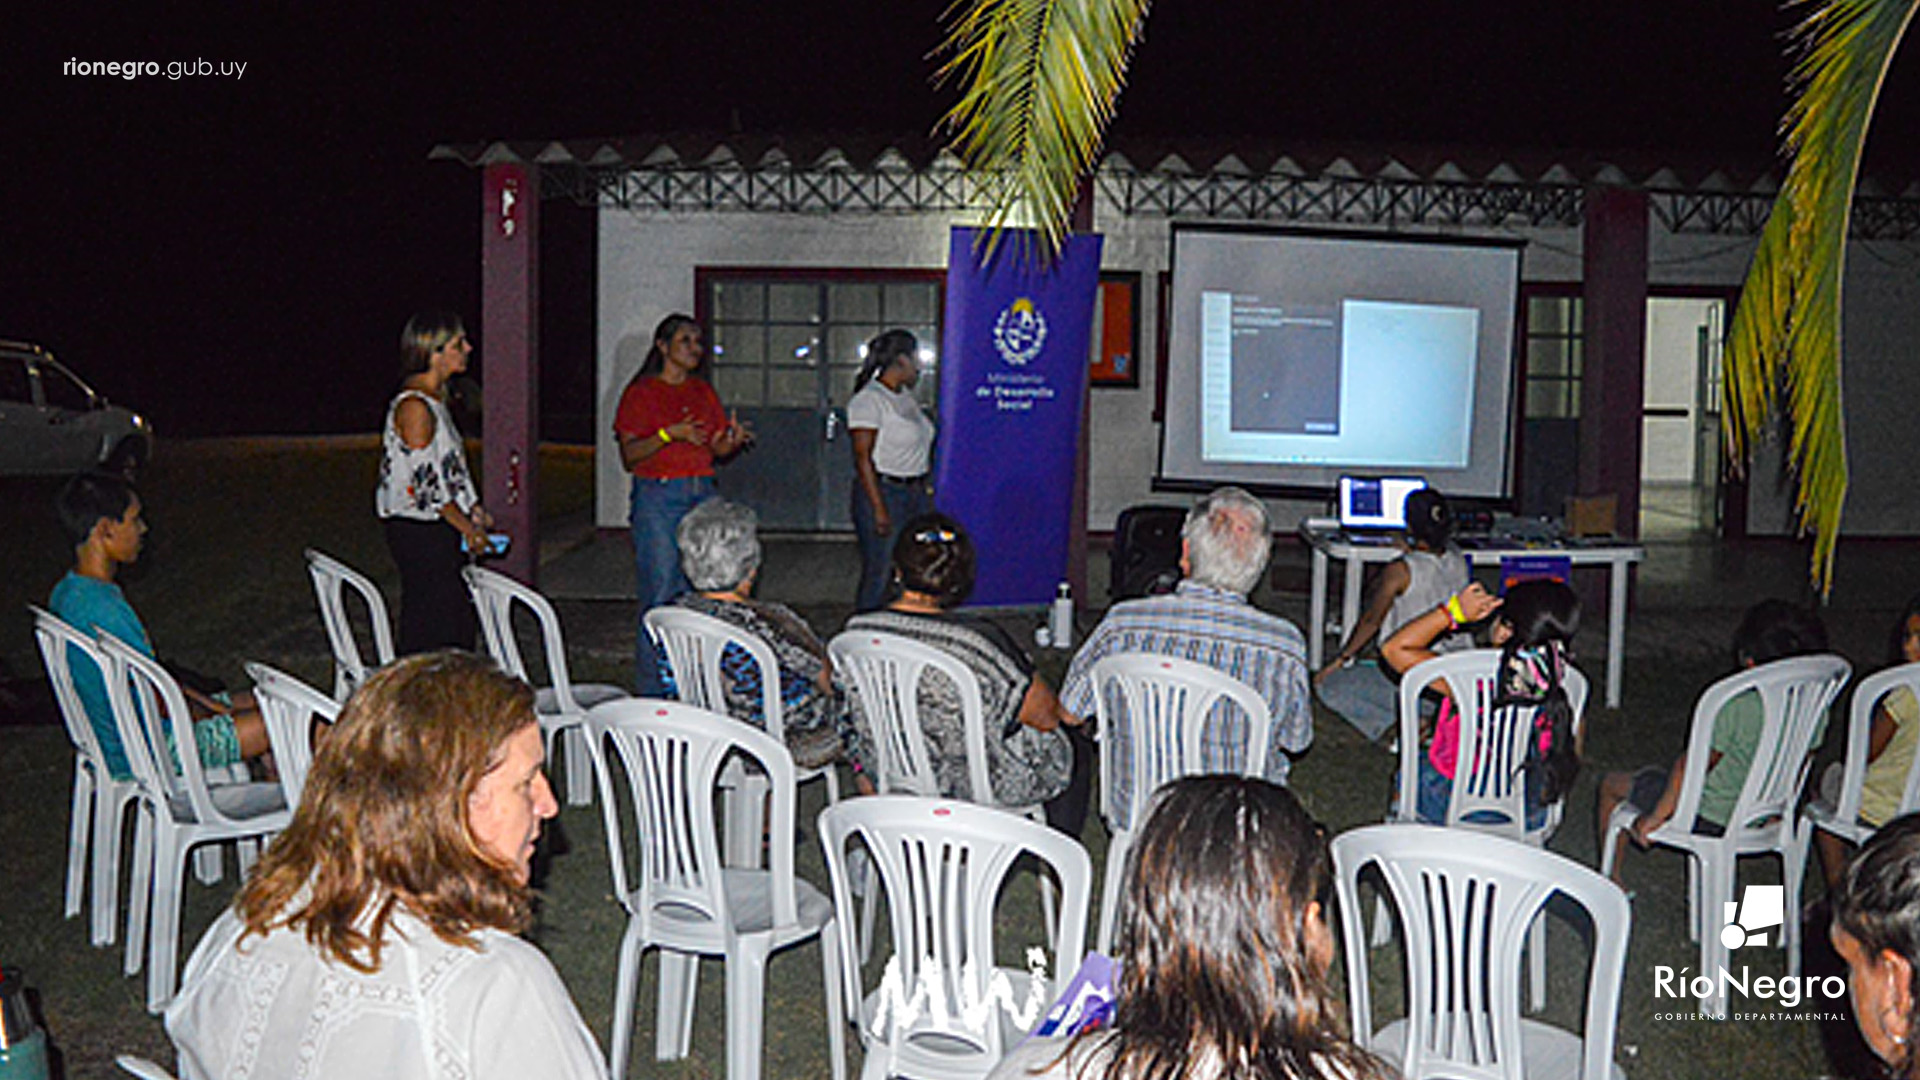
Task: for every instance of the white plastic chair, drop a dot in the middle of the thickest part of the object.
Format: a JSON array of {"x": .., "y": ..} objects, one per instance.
[
  {"x": 695, "y": 644},
  {"x": 885, "y": 670},
  {"x": 1795, "y": 693},
  {"x": 1489, "y": 782},
  {"x": 98, "y": 798},
  {"x": 562, "y": 706},
  {"x": 1843, "y": 820},
  {"x": 943, "y": 865},
  {"x": 178, "y": 810},
  {"x": 331, "y": 580},
  {"x": 1165, "y": 703},
  {"x": 290, "y": 708},
  {"x": 142, "y": 1068},
  {"x": 683, "y": 899},
  {"x": 1465, "y": 901}
]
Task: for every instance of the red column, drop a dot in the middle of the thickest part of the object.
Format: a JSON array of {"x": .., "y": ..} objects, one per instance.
[
  {"x": 510, "y": 358},
  {"x": 1614, "y": 329},
  {"x": 1077, "y": 530}
]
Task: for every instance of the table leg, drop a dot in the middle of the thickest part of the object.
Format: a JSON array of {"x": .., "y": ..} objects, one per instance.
[
  {"x": 1350, "y": 598},
  {"x": 1616, "y": 631},
  {"x": 1317, "y": 611}
]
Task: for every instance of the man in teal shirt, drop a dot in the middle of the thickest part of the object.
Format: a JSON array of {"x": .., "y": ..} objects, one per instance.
[{"x": 101, "y": 516}]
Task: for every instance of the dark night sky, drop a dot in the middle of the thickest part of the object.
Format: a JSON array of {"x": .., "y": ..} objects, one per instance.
[{"x": 238, "y": 256}]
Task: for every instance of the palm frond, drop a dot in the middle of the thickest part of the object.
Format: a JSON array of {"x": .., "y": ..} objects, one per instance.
[
  {"x": 1040, "y": 82},
  {"x": 1787, "y": 327}
]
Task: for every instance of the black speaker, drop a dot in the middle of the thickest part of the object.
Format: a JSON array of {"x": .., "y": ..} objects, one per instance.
[{"x": 1146, "y": 552}]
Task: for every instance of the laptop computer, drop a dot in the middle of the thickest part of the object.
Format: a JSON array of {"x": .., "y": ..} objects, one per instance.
[{"x": 1375, "y": 506}]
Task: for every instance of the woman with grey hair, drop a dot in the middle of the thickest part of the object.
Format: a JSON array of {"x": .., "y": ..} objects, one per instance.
[{"x": 720, "y": 554}]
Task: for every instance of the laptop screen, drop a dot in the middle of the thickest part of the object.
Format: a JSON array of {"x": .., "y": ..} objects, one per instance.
[{"x": 1368, "y": 502}]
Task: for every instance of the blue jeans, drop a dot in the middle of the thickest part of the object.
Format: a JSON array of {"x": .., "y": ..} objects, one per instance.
[
  {"x": 654, "y": 512},
  {"x": 1363, "y": 696},
  {"x": 1435, "y": 794},
  {"x": 904, "y": 503}
]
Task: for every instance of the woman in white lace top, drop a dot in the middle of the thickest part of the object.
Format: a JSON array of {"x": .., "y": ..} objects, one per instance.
[{"x": 377, "y": 935}]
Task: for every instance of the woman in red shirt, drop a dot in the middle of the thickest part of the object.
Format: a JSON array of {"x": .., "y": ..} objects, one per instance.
[{"x": 671, "y": 428}]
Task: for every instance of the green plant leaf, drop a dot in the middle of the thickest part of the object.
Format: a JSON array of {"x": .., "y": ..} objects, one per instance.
[
  {"x": 1785, "y": 335},
  {"x": 1040, "y": 81}
]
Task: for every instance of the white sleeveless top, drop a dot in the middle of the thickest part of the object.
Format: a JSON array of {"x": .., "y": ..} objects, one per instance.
[
  {"x": 417, "y": 483},
  {"x": 1431, "y": 579}
]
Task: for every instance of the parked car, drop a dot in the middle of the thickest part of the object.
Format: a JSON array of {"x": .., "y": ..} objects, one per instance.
[{"x": 51, "y": 421}]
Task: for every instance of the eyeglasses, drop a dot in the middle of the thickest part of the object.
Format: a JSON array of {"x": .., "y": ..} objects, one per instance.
[{"x": 935, "y": 536}]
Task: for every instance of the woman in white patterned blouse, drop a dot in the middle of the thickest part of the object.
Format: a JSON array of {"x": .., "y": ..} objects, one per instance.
[{"x": 377, "y": 935}]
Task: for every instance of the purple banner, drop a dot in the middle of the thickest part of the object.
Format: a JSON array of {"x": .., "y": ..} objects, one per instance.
[{"x": 1013, "y": 371}]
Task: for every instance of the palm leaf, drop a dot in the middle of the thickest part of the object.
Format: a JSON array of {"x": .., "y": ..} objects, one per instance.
[
  {"x": 1040, "y": 82},
  {"x": 1787, "y": 327}
]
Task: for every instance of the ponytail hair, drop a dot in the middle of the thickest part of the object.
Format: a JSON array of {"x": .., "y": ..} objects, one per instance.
[
  {"x": 935, "y": 556},
  {"x": 882, "y": 351},
  {"x": 1544, "y": 616},
  {"x": 663, "y": 334}
]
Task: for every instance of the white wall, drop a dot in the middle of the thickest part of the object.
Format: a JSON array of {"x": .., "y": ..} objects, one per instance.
[
  {"x": 647, "y": 263},
  {"x": 1667, "y": 449}
]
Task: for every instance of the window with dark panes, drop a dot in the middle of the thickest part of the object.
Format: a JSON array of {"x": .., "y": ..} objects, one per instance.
[
  {"x": 1553, "y": 357},
  {"x": 773, "y": 337}
]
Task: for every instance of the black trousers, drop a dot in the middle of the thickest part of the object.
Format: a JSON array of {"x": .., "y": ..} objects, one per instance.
[
  {"x": 435, "y": 610},
  {"x": 1067, "y": 811}
]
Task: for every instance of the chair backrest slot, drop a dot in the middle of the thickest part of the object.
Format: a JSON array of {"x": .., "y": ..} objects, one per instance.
[
  {"x": 332, "y": 579},
  {"x": 887, "y": 673},
  {"x": 1465, "y": 901}
]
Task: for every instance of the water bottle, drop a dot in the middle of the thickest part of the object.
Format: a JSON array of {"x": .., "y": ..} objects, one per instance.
[
  {"x": 1060, "y": 618},
  {"x": 23, "y": 1046}
]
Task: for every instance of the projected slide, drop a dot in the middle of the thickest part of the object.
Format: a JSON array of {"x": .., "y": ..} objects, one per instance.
[
  {"x": 1284, "y": 373},
  {"x": 1362, "y": 383},
  {"x": 1296, "y": 356}
]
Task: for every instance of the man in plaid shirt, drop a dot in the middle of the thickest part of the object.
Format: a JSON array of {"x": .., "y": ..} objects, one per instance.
[{"x": 1223, "y": 551}]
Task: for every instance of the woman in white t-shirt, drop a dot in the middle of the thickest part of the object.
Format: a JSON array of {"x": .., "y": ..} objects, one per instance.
[{"x": 892, "y": 448}]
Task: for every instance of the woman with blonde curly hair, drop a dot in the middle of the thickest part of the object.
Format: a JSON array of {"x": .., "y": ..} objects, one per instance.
[{"x": 377, "y": 934}]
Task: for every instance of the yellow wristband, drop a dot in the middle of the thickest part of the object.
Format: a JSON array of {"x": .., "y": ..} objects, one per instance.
[
  {"x": 1455, "y": 614},
  {"x": 664, "y": 437}
]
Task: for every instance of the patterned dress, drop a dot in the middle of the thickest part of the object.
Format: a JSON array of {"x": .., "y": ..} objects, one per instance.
[
  {"x": 818, "y": 731},
  {"x": 1026, "y": 767}
]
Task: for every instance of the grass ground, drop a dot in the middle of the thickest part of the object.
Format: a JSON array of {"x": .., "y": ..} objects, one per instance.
[{"x": 226, "y": 583}]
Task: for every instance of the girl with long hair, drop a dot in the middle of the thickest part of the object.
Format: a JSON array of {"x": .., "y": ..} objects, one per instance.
[
  {"x": 671, "y": 429},
  {"x": 1533, "y": 627},
  {"x": 1223, "y": 950},
  {"x": 1431, "y": 570}
]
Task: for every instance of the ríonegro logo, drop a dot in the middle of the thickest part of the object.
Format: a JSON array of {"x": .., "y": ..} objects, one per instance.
[{"x": 1761, "y": 907}]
